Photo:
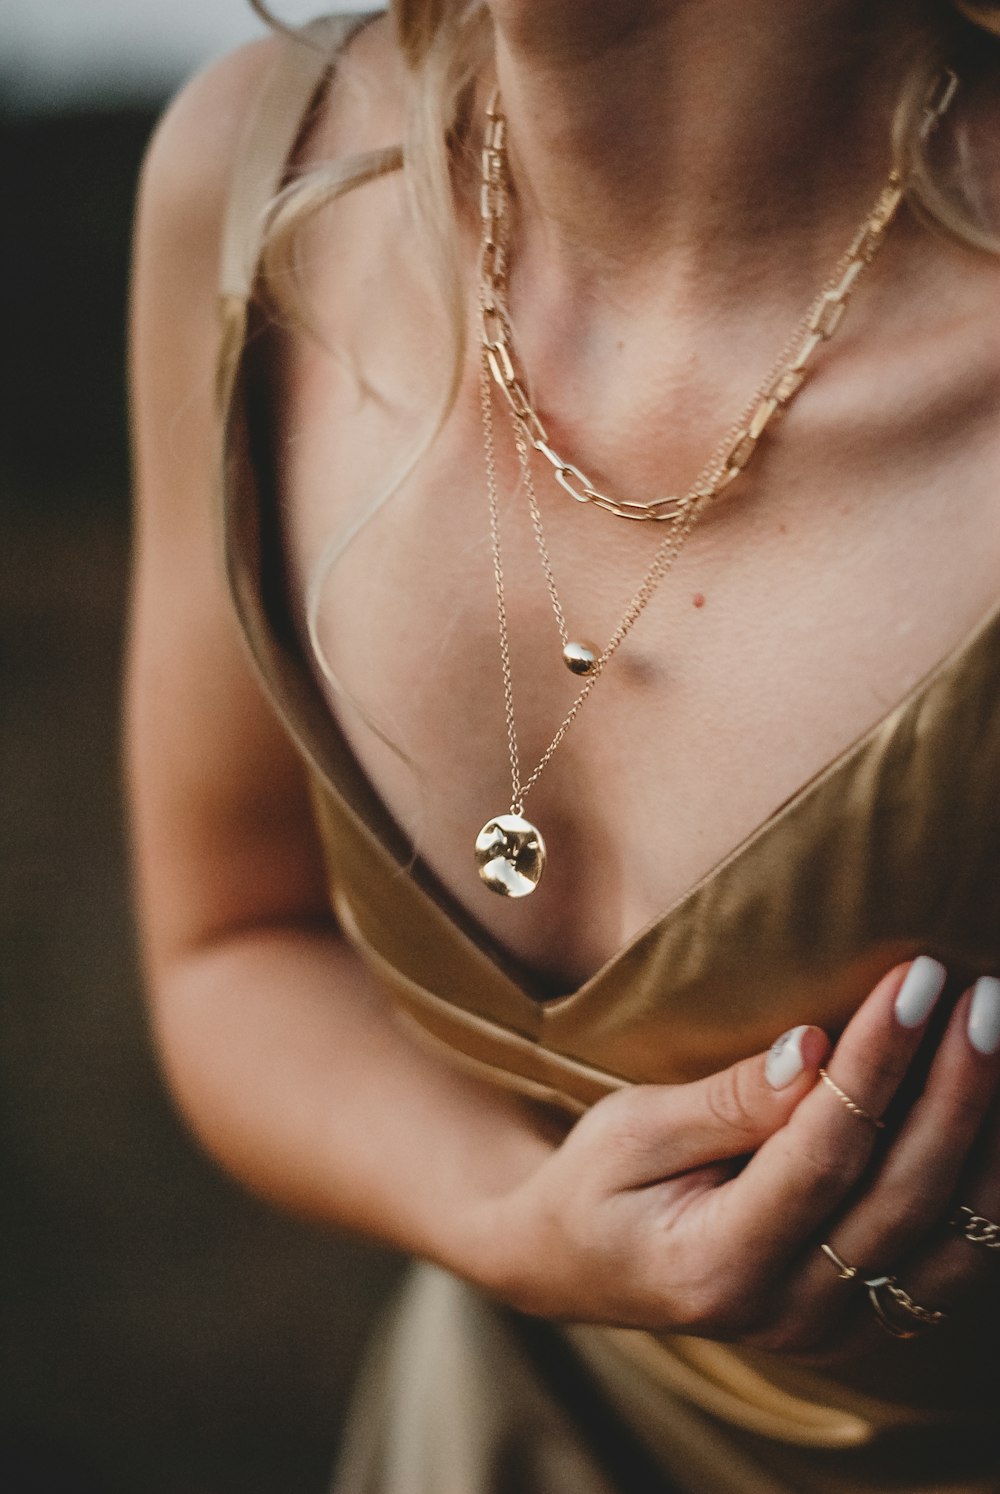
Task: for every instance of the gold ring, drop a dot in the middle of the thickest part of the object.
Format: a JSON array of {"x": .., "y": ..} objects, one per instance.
[
  {"x": 844, "y": 1271},
  {"x": 925, "y": 1316},
  {"x": 852, "y": 1105},
  {"x": 977, "y": 1230}
]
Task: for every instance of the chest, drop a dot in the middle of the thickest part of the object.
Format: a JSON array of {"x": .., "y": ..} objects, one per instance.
[{"x": 837, "y": 573}]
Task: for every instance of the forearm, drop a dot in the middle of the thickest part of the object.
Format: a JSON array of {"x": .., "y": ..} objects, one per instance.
[{"x": 292, "y": 1069}]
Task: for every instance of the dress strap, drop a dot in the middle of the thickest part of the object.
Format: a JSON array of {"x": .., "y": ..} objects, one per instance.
[{"x": 304, "y": 61}]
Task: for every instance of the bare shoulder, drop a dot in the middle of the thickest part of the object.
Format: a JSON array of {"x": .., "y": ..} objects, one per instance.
[
  {"x": 183, "y": 190},
  {"x": 173, "y": 315},
  {"x": 190, "y": 158},
  {"x": 194, "y": 150}
]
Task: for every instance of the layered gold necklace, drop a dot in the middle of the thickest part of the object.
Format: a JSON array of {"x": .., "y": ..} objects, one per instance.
[{"x": 510, "y": 851}]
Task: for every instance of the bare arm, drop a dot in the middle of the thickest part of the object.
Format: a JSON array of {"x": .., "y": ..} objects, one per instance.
[{"x": 280, "y": 1050}]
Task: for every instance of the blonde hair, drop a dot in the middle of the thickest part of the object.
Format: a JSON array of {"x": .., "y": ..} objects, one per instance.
[{"x": 445, "y": 44}]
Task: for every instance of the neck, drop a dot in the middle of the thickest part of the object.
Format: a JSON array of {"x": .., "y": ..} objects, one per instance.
[{"x": 653, "y": 132}]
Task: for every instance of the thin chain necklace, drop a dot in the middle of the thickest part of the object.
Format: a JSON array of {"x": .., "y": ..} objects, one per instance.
[{"x": 510, "y": 851}]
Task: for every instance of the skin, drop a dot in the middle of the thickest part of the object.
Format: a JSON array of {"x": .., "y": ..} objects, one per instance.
[{"x": 642, "y": 313}]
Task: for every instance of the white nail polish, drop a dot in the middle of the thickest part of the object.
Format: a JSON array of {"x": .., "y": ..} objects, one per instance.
[
  {"x": 785, "y": 1061},
  {"x": 984, "y": 1015},
  {"x": 921, "y": 988}
]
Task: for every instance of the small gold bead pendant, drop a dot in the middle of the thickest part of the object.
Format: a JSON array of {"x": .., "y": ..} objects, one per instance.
[
  {"x": 510, "y": 853},
  {"x": 580, "y": 658}
]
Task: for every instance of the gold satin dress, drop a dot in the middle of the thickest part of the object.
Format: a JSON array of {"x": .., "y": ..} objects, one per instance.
[{"x": 891, "y": 850}]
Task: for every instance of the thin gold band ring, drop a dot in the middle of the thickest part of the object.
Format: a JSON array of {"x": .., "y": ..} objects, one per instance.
[
  {"x": 844, "y": 1271},
  {"x": 925, "y": 1317},
  {"x": 851, "y": 1105}
]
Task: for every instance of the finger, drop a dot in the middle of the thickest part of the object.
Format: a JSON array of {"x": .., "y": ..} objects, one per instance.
[
  {"x": 969, "y": 1245},
  {"x": 970, "y": 1250},
  {"x": 909, "y": 1197},
  {"x": 974, "y": 1215},
  {"x": 802, "y": 1174},
  {"x": 951, "y": 1274},
  {"x": 665, "y": 1130}
]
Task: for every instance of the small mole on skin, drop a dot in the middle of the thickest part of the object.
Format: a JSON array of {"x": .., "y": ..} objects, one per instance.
[{"x": 698, "y": 599}]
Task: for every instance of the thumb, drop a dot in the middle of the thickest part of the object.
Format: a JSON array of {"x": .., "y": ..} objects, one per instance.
[{"x": 732, "y": 1112}]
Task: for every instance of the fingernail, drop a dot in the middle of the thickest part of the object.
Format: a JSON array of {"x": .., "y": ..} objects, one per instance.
[
  {"x": 785, "y": 1061},
  {"x": 984, "y": 1015},
  {"x": 921, "y": 988}
]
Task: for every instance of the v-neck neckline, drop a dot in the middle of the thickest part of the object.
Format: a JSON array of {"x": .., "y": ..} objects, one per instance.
[
  {"x": 468, "y": 929},
  {"x": 321, "y": 738}
]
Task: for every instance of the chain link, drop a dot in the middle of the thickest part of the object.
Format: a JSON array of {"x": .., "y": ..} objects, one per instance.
[
  {"x": 489, "y": 449},
  {"x": 977, "y": 1229},
  {"x": 781, "y": 384},
  {"x": 727, "y": 462},
  {"x": 664, "y": 558},
  {"x": 902, "y": 1297}
]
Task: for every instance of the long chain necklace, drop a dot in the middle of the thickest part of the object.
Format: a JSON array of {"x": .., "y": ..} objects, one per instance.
[{"x": 510, "y": 851}]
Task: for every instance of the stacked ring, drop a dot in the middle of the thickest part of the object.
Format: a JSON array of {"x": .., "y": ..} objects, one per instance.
[{"x": 926, "y": 1317}]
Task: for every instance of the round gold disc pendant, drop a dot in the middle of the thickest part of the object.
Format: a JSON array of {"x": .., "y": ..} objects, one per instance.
[
  {"x": 510, "y": 854},
  {"x": 580, "y": 657}
]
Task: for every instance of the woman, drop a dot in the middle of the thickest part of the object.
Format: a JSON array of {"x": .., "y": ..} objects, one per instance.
[{"x": 776, "y": 790}]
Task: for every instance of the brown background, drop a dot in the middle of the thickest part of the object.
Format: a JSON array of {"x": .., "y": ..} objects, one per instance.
[{"x": 160, "y": 1333}]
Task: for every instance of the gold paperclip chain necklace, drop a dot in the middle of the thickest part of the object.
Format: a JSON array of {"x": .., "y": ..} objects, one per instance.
[
  {"x": 510, "y": 851},
  {"x": 737, "y": 447}
]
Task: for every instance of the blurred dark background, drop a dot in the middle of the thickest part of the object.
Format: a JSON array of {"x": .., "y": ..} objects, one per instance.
[{"x": 160, "y": 1332}]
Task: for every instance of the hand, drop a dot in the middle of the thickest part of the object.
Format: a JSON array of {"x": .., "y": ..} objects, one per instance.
[
  {"x": 946, "y": 1153},
  {"x": 646, "y": 1217}
]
